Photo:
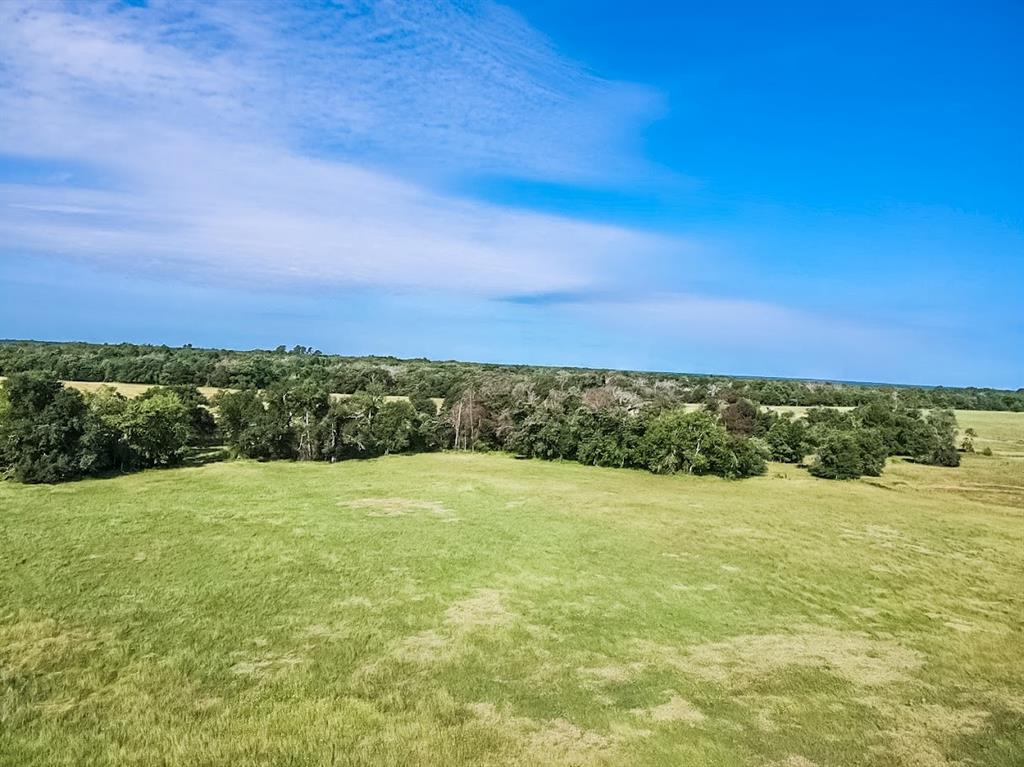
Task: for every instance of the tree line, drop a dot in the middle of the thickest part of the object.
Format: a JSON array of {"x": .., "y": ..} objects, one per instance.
[
  {"x": 50, "y": 433},
  {"x": 259, "y": 369}
]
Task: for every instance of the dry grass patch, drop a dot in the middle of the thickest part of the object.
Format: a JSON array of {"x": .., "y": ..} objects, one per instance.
[
  {"x": 853, "y": 656},
  {"x": 485, "y": 609},
  {"x": 920, "y": 732},
  {"x": 266, "y": 665},
  {"x": 613, "y": 674},
  {"x": 676, "y": 709},
  {"x": 398, "y": 507},
  {"x": 555, "y": 741},
  {"x": 32, "y": 647}
]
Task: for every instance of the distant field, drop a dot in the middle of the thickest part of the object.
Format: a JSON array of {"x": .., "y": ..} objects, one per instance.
[
  {"x": 460, "y": 609},
  {"x": 135, "y": 389}
]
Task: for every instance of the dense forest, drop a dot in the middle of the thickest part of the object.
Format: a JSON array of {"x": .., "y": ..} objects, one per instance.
[
  {"x": 425, "y": 378},
  {"x": 302, "y": 405}
]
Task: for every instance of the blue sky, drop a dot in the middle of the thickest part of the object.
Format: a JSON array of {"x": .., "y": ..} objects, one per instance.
[{"x": 797, "y": 189}]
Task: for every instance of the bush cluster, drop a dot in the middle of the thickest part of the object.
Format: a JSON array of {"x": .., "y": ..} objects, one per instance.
[
  {"x": 49, "y": 433},
  {"x": 855, "y": 443},
  {"x": 302, "y": 421}
]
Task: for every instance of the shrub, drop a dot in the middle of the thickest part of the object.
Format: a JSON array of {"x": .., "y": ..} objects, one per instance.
[
  {"x": 939, "y": 447},
  {"x": 42, "y": 428},
  {"x": 695, "y": 443},
  {"x": 849, "y": 454},
  {"x": 787, "y": 439},
  {"x": 156, "y": 428}
]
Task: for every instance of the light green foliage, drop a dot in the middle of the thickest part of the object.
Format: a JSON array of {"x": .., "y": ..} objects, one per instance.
[
  {"x": 677, "y": 441},
  {"x": 463, "y": 609},
  {"x": 156, "y": 428}
]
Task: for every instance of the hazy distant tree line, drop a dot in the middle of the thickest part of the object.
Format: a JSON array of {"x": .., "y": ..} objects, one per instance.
[
  {"x": 50, "y": 433},
  {"x": 420, "y": 377}
]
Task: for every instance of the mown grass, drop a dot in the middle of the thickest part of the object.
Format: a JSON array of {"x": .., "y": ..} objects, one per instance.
[{"x": 453, "y": 609}]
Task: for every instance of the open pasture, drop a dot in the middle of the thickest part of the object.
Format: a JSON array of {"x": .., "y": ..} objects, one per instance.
[{"x": 466, "y": 609}]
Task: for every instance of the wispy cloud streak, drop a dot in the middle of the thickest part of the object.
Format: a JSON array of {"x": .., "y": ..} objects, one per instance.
[{"x": 242, "y": 140}]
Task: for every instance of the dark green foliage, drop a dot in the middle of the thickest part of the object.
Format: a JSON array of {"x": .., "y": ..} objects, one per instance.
[
  {"x": 606, "y": 437},
  {"x": 257, "y": 425},
  {"x": 42, "y": 430},
  {"x": 103, "y": 443},
  {"x": 259, "y": 369},
  {"x": 394, "y": 428},
  {"x": 787, "y": 439},
  {"x": 51, "y": 434},
  {"x": 849, "y": 454},
  {"x": 284, "y": 409},
  {"x": 546, "y": 432},
  {"x": 902, "y": 430},
  {"x": 878, "y": 430}
]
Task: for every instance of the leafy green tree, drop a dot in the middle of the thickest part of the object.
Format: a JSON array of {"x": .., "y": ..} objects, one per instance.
[
  {"x": 103, "y": 444},
  {"x": 941, "y": 447},
  {"x": 348, "y": 428},
  {"x": 156, "y": 428},
  {"x": 41, "y": 432},
  {"x": 838, "y": 456},
  {"x": 679, "y": 441},
  {"x": 202, "y": 425},
  {"x": 545, "y": 433},
  {"x": 744, "y": 458},
  {"x": 787, "y": 439},
  {"x": 848, "y": 454},
  {"x": 606, "y": 436},
  {"x": 253, "y": 427},
  {"x": 394, "y": 428}
]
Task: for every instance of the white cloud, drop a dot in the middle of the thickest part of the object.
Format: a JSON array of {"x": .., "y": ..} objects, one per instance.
[
  {"x": 470, "y": 86},
  {"x": 197, "y": 118}
]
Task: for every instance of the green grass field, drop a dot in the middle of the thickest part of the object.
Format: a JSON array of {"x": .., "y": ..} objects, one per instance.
[{"x": 457, "y": 609}]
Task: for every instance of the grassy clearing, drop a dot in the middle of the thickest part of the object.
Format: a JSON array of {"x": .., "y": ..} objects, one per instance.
[{"x": 473, "y": 609}]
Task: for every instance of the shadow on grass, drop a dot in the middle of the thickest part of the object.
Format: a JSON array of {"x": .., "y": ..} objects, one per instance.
[{"x": 200, "y": 456}]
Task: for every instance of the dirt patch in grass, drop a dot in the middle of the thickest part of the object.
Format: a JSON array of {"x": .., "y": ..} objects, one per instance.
[
  {"x": 920, "y": 733},
  {"x": 736, "y": 662},
  {"x": 424, "y": 648},
  {"x": 676, "y": 709},
  {"x": 555, "y": 741},
  {"x": 613, "y": 674},
  {"x": 485, "y": 609},
  {"x": 398, "y": 507}
]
